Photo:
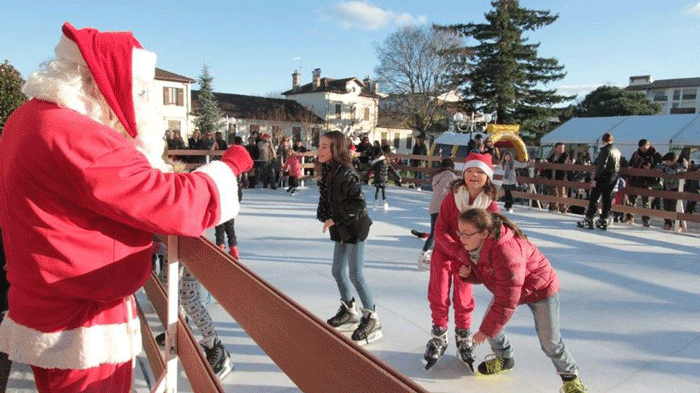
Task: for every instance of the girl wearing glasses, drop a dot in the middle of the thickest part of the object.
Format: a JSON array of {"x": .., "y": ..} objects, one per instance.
[
  {"x": 474, "y": 190},
  {"x": 501, "y": 257}
]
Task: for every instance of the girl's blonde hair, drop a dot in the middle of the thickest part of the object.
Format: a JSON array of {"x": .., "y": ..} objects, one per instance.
[{"x": 491, "y": 222}]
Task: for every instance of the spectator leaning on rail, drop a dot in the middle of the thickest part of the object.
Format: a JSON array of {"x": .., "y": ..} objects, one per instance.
[
  {"x": 607, "y": 166},
  {"x": 645, "y": 157},
  {"x": 558, "y": 156},
  {"x": 84, "y": 189}
]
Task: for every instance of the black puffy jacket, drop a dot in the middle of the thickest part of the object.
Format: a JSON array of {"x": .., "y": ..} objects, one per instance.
[{"x": 342, "y": 191}]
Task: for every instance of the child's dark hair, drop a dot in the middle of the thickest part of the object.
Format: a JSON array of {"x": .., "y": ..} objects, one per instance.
[
  {"x": 340, "y": 151},
  {"x": 491, "y": 222}
]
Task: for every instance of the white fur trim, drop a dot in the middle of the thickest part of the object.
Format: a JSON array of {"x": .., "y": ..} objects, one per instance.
[
  {"x": 68, "y": 51},
  {"x": 482, "y": 201},
  {"x": 481, "y": 165},
  {"x": 79, "y": 349},
  {"x": 226, "y": 183},
  {"x": 143, "y": 65}
]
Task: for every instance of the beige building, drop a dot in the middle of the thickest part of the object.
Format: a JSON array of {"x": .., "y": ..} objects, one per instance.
[{"x": 676, "y": 96}]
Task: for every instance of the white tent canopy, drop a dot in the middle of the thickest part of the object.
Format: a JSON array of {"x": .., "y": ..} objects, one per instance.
[{"x": 663, "y": 131}]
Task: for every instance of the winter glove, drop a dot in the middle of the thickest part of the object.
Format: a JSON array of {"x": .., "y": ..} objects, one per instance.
[{"x": 238, "y": 159}]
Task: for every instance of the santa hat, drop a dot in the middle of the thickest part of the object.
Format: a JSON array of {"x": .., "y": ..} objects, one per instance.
[
  {"x": 115, "y": 61},
  {"x": 481, "y": 161}
]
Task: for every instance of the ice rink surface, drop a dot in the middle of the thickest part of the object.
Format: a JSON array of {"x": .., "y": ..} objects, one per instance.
[{"x": 630, "y": 299}]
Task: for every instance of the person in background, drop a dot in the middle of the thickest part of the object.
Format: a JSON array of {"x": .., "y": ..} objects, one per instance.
[
  {"x": 499, "y": 255},
  {"x": 343, "y": 211},
  {"x": 209, "y": 141},
  {"x": 283, "y": 150},
  {"x": 475, "y": 189},
  {"x": 509, "y": 180},
  {"x": 607, "y": 170},
  {"x": 252, "y": 148},
  {"x": 219, "y": 141},
  {"x": 645, "y": 157},
  {"x": 169, "y": 139},
  {"x": 472, "y": 145},
  {"x": 670, "y": 165},
  {"x": 558, "y": 156},
  {"x": 381, "y": 168},
  {"x": 441, "y": 181},
  {"x": 492, "y": 150},
  {"x": 292, "y": 165},
  {"x": 419, "y": 149},
  {"x": 196, "y": 143},
  {"x": 267, "y": 158}
]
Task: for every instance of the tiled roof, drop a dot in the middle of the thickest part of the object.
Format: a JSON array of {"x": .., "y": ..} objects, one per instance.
[
  {"x": 330, "y": 85},
  {"x": 164, "y": 75},
  {"x": 262, "y": 108},
  {"x": 666, "y": 84}
]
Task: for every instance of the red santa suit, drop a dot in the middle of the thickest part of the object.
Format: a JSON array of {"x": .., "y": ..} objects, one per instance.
[{"x": 79, "y": 208}]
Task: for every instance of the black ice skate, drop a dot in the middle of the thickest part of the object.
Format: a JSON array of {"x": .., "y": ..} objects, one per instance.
[
  {"x": 465, "y": 347},
  {"x": 422, "y": 235},
  {"x": 346, "y": 318},
  {"x": 369, "y": 329},
  {"x": 219, "y": 359},
  {"x": 436, "y": 347},
  {"x": 601, "y": 224},
  {"x": 586, "y": 223}
]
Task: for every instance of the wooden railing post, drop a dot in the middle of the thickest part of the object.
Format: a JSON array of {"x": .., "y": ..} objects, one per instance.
[{"x": 172, "y": 315}]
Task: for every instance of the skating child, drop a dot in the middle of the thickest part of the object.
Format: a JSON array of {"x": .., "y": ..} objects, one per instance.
[
  {"x": 381, "y": 167},
  {"x": 191, "y": 303},
  {"x": 441, "y": 182},
  {"x": 228, "y": 229},
  {"x": 499, "y": 256},
  {"x": 474, "y": 190},
  {"x": 342, "y": 209},
  {"x": 292, "y": 165}
]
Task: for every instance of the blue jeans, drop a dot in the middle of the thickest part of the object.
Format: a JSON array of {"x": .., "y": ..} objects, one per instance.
[
  {"x": 546, "y": 314},
  {"x": 430, "y": 241},
  {"x": 348, "y": 261}
]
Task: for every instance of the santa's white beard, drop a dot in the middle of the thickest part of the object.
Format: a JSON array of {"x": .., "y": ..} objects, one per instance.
[{"x": 150, "y": 139}]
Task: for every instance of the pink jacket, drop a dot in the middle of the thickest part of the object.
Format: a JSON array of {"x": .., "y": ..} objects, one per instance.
[
  {"x": 516, "y": 272},
  {"x": 293, "y": 165},
  {"x": 79, "y": 208}
]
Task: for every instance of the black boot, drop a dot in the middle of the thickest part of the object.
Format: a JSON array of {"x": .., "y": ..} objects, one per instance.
[{"x": 586, "y": 223}]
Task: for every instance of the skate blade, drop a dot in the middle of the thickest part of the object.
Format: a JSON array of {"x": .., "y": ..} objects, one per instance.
[
  {"x": 370, "y": 339},
  {"x": 226, "y": 370}
]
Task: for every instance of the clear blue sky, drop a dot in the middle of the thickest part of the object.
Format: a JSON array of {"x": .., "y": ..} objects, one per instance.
[{"x": 251, "y": 46}]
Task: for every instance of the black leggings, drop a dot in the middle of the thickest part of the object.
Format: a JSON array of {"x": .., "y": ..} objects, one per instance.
[{"x": 376, "y": 193}]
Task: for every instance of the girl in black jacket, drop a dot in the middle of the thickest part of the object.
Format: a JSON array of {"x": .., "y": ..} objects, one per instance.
[{"x": 343, "y": 211}]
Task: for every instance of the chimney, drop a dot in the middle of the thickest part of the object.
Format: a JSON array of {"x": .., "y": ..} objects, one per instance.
[
  {"x": 366, "y": 82},
  {"x": 373, "y": 87},
  {"x": 316, "y": 74},
  {"x": 296, "y": 80}
]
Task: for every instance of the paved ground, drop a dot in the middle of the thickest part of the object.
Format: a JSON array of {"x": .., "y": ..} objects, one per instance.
[{"x": 630, "y": 305}]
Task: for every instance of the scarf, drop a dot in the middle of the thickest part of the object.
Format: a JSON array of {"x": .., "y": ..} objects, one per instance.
[{"x": 482, "y": 201}]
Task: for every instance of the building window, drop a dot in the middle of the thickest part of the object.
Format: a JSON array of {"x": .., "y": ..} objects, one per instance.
[
  {"x": 276, "y": 131},
  {"x": 676, "y": 95},
  {"x": 366, "y": 114},
  {"x": 397, "y": 140},
  {"x": 660, "y": 96},
  {"x": 315, "y": 136},
  {"x": 296, "y": 134},
  {"x": 174, "y": 125},
  {"x": 689, "y": 94},
  {"x": 409, "y": 142},
  {"x": 338, "y": 109},
  {"x": 173, "y": 96}
]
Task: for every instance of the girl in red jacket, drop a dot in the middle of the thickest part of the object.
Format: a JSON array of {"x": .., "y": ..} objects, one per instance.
[
  {"x": 516, "y": 272},
  {"x": 474, "y": 189},
  {"x": 292, "y": 165}
]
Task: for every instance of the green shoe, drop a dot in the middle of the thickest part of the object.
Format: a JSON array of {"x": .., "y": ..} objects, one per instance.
[
  {"x": 494, "y": 365},
  {"x": 573, "y": 386}
]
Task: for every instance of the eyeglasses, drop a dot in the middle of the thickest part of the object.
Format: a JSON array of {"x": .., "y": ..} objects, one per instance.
[{"x": 467, "y": 236}]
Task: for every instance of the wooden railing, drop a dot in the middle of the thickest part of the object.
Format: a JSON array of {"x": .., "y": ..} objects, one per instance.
[{"x": 328, "y": 362}]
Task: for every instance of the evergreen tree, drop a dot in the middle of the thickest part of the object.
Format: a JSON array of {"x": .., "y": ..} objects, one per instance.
[
  {"x": 503, "y": 73},
  {"x": 614, "y": 101},
  {"x": 11, "y": 96},
  {"x": 207, "y": 112}
]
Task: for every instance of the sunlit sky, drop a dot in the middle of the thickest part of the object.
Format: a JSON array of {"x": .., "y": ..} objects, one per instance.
[{"x": 252, "y": 47}]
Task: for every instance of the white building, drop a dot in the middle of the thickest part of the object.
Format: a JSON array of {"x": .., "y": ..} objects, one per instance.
[
  {"x": 676, "y": 96},
  {"x": 172, "y": 93},
  {"x": 347, "y": 105}
]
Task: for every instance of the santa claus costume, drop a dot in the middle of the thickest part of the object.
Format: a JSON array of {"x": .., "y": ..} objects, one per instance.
[{"x": 83, "y": 189}]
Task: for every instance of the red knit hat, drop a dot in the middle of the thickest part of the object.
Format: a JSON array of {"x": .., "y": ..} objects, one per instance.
[
  {"x": 481, "y": 161},
  {"x": 115, "y": 60}
]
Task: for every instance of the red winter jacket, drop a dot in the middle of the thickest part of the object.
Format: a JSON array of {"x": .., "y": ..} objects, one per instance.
[{"x": 516, "y": 272}]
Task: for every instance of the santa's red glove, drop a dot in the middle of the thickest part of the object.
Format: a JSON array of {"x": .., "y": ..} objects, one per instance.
[{"x": 238, "y": 159}]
